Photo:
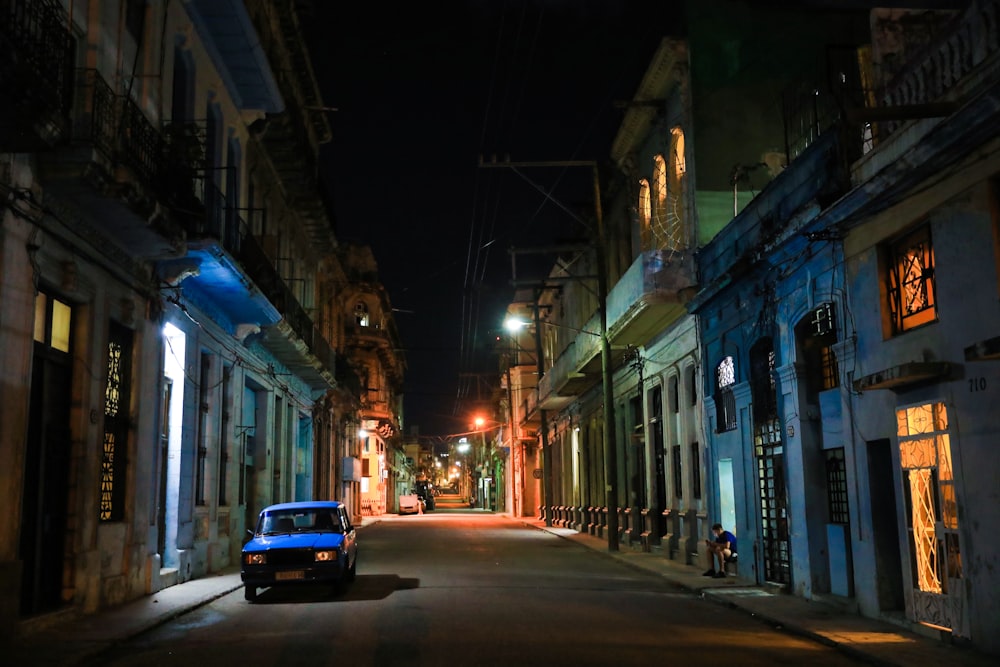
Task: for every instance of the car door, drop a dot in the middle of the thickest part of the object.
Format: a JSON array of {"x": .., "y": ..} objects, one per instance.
[{"x": 350, "y": 536}]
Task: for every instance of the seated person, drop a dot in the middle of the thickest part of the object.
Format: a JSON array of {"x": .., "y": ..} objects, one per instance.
[{"x": 721, "y": 550}]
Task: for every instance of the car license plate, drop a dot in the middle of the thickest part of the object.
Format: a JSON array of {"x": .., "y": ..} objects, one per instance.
[{"x": 291, "y": 574}]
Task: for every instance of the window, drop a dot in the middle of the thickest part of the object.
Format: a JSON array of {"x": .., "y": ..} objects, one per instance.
[
  {"x": 696, "y": 470},
  {"x": 763, "y": 391},
  {"x": 201, "y": 482},
  {"x": 725, "y": 401},
  {"x": 53, "y": 320},
  {"x": 135, "y": 17},
  {"x": 645, "y": 214},
  {"x": 817, "y": 335},
  {"x": 361, "y": 314},
  {"x": 114, "y": 452},
  {"x": 836, "y": 486},
  {"x": 910, "y": 281},
  {"x": 692, "y": 384},
  {"x": 227, "y": 402},
  {"x": 678, "y": 473}
]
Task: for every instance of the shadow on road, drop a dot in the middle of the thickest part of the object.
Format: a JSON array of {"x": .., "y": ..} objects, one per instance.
[{"x": 365, "y": 587}]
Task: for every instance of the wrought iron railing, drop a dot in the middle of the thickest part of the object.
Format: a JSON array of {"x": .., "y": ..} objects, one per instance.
[
  {"x": 116, "y": 126},
  {"x": 36, "y": 60},
  {"x": 968, "y": 40}
]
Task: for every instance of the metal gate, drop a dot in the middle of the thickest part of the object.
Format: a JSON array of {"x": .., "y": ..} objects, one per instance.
[
  {"x": 770, "y": 455},
  {"x": 932, "y": 511}
]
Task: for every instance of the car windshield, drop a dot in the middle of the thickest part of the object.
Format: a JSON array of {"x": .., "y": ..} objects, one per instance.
[{"x": 317, "y": 520}]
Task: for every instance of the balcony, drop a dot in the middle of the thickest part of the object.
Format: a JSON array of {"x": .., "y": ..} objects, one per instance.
[
  {"x": 116, "y": 172},
  {"x": 647, "y": 299},
  {"x": 236, "y": 278},
  {"x": 650, "y": 296},
  {"x": 36, "y": 73}
]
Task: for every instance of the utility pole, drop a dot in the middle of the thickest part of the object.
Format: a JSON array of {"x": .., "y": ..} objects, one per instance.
[
  {"x": 610, "y": 447},
  {"x": 543, "y": 420}
]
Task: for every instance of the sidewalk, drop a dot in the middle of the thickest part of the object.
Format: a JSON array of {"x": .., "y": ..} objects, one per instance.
[
  {"x": 71, "y": 638},
  {"x": 865, "y": 639}
]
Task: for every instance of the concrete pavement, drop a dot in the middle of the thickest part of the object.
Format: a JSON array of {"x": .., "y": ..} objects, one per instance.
[
  {"x": 70, "y": 638},
  {"x": 867, "y": 640}
]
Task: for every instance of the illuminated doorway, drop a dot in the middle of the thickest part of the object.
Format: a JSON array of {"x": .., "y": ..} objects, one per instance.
[
  {"x": 174, "y": 350},
  {"x": 931, "y": 516}
]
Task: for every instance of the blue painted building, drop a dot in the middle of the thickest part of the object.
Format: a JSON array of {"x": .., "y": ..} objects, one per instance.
[{"x": 849, "y": 325}]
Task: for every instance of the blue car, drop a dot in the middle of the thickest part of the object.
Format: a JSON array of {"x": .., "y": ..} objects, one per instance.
[{"x": 296, "y": 543}]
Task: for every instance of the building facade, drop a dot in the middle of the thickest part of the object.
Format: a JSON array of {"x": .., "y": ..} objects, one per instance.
[
  {"x": 171, "y": 295},
  {"x": 835, "y": 355}
]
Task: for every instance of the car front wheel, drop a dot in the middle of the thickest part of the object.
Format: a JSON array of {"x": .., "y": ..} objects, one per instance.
[{"x": 250, "y": 593}]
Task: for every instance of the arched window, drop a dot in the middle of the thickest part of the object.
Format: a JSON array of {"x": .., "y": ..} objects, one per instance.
[
  {"x": 361, "y": 314},
  {"x": 668, "y": 214},
  {"x": 645, "y": 212}
]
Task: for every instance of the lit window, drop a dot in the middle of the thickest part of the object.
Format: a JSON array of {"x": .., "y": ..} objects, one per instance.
[
  {"x": 53, "y": 322},
  {"x": 677, "y": 152},
  {"x": 361, "y": 313},
  {"x": 660, "y": 183},
  {"x": 645, "y": 213},
  {"x": 725, "y": 400},
  {"x": 910, "y": 279},
  {"x": 116, "y": 424}
]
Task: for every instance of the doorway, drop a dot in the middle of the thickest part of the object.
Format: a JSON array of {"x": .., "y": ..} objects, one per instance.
[
  {"x": 47, "y": 459},
  {"x": 885, "y": 533}
]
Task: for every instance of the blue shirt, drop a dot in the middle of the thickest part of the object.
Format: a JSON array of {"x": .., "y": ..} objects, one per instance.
[{"x": 726, "y": 536}]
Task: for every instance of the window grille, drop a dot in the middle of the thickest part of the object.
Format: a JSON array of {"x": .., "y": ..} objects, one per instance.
[
  {"x": 116, "y": 424},
  {"x": 725, "y": 400},
  {"x": 910, "y": 279},
  {"x": 836, "y": 486}
]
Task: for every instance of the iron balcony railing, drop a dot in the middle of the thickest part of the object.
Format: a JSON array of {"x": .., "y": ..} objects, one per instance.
[
  {"x": 117, "y": 128},
  {"x": 36, "y": 69}
]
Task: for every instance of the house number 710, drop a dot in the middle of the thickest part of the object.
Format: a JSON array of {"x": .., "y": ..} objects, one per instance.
[{"x": 977, "y": 384}]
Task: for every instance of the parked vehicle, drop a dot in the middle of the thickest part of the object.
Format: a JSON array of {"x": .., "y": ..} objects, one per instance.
[
  {"x": 300, "y": 543},
  {"x": 426, "y": 492},
  {"x": 411, "y": 503}
]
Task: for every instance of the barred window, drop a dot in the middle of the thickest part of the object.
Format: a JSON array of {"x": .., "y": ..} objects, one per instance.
[
  {"x": 725, "y": 401},
  {"x": 817, "y": 335},
  {"x": 910, "y": 281},
  {"x": 836, "y": 485}
]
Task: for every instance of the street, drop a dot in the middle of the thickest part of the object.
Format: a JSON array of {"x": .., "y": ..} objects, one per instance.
[{"x": 471, "y": 589}]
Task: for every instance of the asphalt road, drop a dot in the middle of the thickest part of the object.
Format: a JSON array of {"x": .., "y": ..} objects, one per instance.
[{"x": 457, "y": 589}]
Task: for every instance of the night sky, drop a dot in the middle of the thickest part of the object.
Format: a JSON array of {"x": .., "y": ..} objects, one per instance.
[{"x": 422, "y": 91}]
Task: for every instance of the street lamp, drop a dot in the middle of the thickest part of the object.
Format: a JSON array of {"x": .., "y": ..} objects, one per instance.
[
  {"x": 514, "y": 325},
  {"x": 601, "y": 248}
]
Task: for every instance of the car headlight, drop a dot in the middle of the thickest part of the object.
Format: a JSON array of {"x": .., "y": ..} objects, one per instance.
[
  {"x": 326, "y": 555},
  {"x": 255, "y": 558}
]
